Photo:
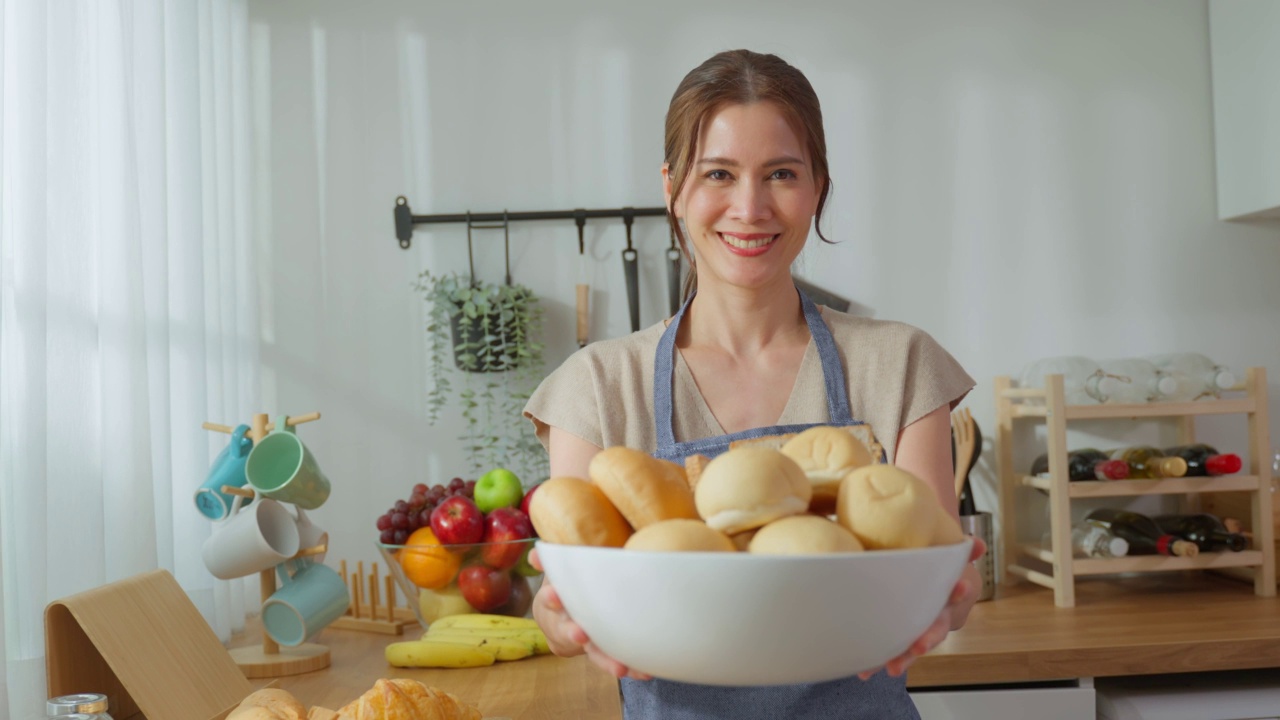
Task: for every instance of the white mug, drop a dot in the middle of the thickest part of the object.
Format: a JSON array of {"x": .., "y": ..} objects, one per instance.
[
  {"x": 311, "y": 535},
  {"x": 251, "y": 540}
]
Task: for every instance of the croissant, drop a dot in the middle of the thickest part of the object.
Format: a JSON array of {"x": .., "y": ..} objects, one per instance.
[
  {"x": 269, "y": 704},
  {"x": 403, "y": 699}
]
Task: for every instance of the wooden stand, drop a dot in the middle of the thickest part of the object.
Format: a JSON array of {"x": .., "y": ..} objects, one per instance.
[
  {"x": 271, "y": 660},
  {"x": 1028, "y": 560},
  {"x": 374, "y": 615}
]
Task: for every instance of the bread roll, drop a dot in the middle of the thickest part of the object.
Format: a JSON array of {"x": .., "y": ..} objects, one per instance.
[
  {"x": 572, "y": 511},
  {"x": 404, "y": 699},
  {"x": 270, "y": 704},
  {"x": 826, "y": 454},
  {"x": 680, "y": 535},
  {"x": 887, "y": 507},
  {"x": 643, "y": 489},
  {"x": 742, "y": 540},
  {"x": 802, "y": 535},
  {"x": 693, "y": 467},
  {"x": 749, "y": 487},
  {"x": 946, "y": 529}
]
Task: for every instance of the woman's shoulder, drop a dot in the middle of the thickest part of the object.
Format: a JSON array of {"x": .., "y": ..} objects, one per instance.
[
  {"x": 881, "y": 333},
  {"x": 632, "y": 351}
]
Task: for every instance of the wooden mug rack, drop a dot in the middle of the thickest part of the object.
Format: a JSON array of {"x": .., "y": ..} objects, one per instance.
[{"x": 269, "y": 659}]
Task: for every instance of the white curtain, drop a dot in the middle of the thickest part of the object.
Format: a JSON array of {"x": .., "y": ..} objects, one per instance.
[{"x": 127, "y": 301}]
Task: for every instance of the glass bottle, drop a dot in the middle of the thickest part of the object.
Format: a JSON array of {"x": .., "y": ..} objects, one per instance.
[
  {"x": 1205, "y": 377},
  {"x": 1146, "y": 462},
  {"x": 1140, "y": 381},
  {"x": 1084, "y": 381},
  {"x": 1203, "y": 529},
  {"x": 1092, "y": 539},
  {"x": 1085, "y": 464},
  {"x": 1143, "y": 534},
  {"x": 1204, "y": 460}
]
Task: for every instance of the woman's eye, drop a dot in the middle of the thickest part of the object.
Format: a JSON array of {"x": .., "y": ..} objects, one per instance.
[
  {"x": 718, "y": 175},
  {"x": 783, "y": 175}
]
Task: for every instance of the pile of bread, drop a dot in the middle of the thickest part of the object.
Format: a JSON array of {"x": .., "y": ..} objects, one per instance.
[
  {"x": 398, "y": 699},
  {"x": 776, "y": 495}
]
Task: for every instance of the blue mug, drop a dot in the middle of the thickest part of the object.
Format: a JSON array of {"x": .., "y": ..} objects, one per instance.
[
  {"x": 310, "y": 598},
  {"x": 227, "y": 469}
]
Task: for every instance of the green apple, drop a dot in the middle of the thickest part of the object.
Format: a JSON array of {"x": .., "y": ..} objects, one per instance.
[
  {"x": 448, "y": 600},
  {"x": 498, "y": 488},
  {"x": 524, "y": 567}
]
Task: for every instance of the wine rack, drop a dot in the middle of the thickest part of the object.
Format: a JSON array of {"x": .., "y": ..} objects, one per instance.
[{"x": 1025, "y": 561}]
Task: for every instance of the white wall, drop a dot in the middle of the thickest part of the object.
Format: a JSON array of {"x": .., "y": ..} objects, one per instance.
[{"x": 1018, "y": 178}]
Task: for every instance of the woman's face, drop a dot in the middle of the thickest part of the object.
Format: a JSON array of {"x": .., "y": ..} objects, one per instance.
[{"x": 749, "y": 199}]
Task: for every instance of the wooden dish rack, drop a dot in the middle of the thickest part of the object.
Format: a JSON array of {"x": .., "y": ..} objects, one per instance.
[{"x": 1028, "y": 561}]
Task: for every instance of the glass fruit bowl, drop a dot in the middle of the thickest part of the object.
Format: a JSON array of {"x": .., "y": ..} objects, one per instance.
[{"x": 440, "y": 579}]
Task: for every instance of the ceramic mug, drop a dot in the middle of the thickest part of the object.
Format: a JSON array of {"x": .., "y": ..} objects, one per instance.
[
  {"x": 252, "y": 540},
  {"x": 311, "y": 535},
  {"x": 227, "y": 469},
  {"x": 310, "y": 597},
  {"x": 280, "y": 467}
]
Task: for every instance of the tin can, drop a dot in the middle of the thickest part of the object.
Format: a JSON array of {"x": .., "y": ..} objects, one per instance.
[{"x": 79, "y": 706}]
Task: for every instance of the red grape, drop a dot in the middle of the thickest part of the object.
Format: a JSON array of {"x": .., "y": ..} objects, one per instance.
[
  {"x": 416, "y": 500},
  {"x": 402, "y": 506},
  {"x": 470, "y": 488},
  {"x": 384, "y": 522},
  {"x": 401, "y": 536},
  {"x": 424, "y": 517},
  {"x": 457, "y": 484},
  {"x": 388, "y": 537},
  {"x": 420, "y": 489},
  {"x": 400, "y": 521}
]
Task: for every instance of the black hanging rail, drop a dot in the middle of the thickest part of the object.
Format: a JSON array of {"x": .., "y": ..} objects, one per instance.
[{"x": 405, "y": 219}]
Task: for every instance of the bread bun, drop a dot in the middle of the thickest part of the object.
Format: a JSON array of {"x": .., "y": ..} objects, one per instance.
[
  {"x": 680, "y": 535},
  {"x": 946, "y": 529},
  {"x": 572, "y": 511},
  {"x": 887, "y": 507},
  {"x": 742, "y": 540},
  {"x": 643, "y": 489},
  {"x": 802, "y": 535},
  {"x": 749, "y": 487},
  {"x": 693, "y": 467},
  {"x": 826, "y": 454}
]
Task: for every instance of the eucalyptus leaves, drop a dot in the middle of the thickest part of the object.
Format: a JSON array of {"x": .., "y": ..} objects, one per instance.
[{"x": 492, "y": 331}]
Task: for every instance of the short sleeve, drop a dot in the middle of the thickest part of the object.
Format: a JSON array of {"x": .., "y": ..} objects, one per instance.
[
  {"x": 566, "y": 399},
  {"x": 933, "y": 378}
]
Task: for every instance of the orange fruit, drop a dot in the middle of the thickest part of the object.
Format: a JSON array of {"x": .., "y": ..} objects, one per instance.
[{"x": 426, "y": 562}]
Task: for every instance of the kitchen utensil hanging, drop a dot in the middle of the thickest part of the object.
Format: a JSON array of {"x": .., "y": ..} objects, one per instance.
[
  {"x": 583, "y": 288},
  {"x": 631, "y": 267},
  {"x": 673, "y": 274},
  {"x": 505, "y": 226}
]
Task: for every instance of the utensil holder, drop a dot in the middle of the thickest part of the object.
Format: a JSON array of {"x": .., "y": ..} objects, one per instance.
[{"x": 980, "y": 526}]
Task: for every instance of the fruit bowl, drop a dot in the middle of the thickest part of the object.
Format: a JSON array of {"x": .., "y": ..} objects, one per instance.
[
  {"x": 440, "y": 579},
  {"x": 743, "y": 619}
]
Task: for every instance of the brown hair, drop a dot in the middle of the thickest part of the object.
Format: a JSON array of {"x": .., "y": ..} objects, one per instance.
[{"x": 739, "y": 77}]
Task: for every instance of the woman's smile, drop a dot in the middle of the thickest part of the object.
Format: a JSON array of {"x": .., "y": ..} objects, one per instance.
[{"x": 748, "y": 244}]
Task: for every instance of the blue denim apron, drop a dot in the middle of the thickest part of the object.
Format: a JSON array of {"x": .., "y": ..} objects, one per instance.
[{"x": 880, "y": 698}]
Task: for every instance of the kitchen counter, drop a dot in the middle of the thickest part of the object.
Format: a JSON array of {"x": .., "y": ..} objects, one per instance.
[{"x": 1157, "y": 623}]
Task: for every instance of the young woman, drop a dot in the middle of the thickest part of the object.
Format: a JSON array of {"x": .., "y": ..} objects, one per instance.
[{"x": 745, "y": 178}]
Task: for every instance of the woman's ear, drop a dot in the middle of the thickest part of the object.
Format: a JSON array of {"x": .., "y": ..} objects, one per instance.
[{"x": 666, "y": 184}]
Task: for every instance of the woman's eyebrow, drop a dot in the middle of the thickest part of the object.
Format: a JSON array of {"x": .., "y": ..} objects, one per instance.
[{"x": 729, "y": 162}]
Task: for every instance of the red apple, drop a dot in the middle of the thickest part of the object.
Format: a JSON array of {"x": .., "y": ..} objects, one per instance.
[
  {"x": 457, "y": 521},
  {"x": 484, "y": 587},
  {"x": 521, "y": 599},
  {"x": 524, "y": 503},
  {"x": 506, "y": 527}
]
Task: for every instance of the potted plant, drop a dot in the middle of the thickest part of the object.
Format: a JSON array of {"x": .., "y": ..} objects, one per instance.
[{"x": 492, "y": 332}]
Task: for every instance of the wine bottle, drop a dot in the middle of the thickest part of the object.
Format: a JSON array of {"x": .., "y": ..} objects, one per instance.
[
  {"x": 1092, "y": 539},
  {"x": 1084, "y": 381},
  {"x": 1203, "y": 460},
  {"x": 1203, "y": 529},
  {"x": 1205, "y": 377},
  {"x": 1139, "y": 381},
  {"x": 1143, "y": 534},
  {"x": 1085, "y": 464},
  {"x": 1149, "y": 463}
]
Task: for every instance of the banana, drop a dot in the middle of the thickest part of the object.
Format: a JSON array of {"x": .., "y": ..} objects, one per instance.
[
  {"x": 480, "y": 620},
  {"x": 437, "y": 654},
  {"x": 533, "y": 636},
  {"x": 503, "y": 648}
]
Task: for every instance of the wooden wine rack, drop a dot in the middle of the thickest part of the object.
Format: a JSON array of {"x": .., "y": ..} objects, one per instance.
[{"x": 1027, "y": 561}]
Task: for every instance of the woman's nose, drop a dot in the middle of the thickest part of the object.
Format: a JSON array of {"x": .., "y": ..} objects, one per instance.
[{"x": 751, "y": 203}]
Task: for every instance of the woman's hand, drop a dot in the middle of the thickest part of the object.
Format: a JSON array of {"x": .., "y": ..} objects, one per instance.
[
  {"x": 952, "y": 617},
  {"x": 565, "y": 636}
]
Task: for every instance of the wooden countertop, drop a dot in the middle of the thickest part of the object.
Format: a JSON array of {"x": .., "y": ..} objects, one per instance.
[{"x": 1151, "y": 624}]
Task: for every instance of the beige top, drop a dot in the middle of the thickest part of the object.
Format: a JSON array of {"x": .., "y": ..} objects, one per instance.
[{"x": 603, "y": 393}]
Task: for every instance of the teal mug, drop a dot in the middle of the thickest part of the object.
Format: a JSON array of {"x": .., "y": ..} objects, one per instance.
[
  {"x": 227, "y": 469},
  {"x": 280, "y": 467},
  {"x": 310, "y": 598}
]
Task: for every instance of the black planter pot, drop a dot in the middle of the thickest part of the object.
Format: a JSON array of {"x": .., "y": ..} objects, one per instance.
[{"x": 470, "y": 341}]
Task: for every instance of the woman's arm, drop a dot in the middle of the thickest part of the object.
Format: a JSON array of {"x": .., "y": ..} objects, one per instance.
[{"x": 570, "y": 454}]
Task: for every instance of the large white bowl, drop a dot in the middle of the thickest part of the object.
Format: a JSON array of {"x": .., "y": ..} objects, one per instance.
[{"x": 743, "y": 619}]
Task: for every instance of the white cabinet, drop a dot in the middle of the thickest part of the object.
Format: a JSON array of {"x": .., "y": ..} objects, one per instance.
[
  {"x": 1072, "y": 700},
  {"x": 1244, "y": 43}
]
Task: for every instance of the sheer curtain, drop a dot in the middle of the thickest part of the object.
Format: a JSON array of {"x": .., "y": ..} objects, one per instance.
[{"x": 128, "y": 300}]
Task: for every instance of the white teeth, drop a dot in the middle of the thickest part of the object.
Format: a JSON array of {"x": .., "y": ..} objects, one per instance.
[{"x": 747, "y": 244}]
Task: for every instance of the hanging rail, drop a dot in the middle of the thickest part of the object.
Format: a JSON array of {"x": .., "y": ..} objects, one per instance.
[{"x": 405, "y": 219}]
